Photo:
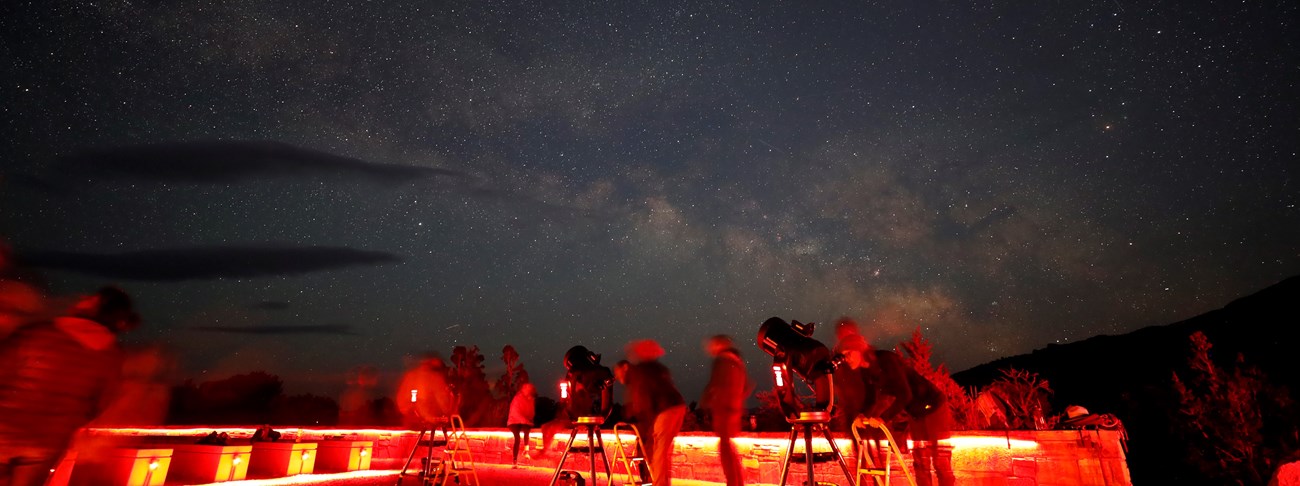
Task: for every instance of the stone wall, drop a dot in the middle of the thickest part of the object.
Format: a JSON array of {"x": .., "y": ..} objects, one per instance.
[{"x": 1016, "y": 458}]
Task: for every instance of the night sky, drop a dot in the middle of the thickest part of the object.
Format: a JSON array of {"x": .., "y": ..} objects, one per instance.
[{"x": 305, "y": 187}]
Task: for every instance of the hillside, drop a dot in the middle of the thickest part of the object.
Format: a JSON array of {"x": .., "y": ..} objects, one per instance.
[{"x": 1130, "y": 375}]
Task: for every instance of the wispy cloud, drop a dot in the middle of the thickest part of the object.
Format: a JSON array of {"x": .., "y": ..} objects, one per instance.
[
  {"x": 174, "y": 264},
  {"x": 339, "y": 329},
  {"x": 226, "y": 161}
]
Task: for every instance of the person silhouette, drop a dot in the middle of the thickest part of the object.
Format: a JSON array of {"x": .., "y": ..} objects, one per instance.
[{"x": 55, "y": 377}]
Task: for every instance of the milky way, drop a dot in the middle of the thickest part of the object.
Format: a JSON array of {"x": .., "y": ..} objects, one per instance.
[{"x": 413, "y": 177}]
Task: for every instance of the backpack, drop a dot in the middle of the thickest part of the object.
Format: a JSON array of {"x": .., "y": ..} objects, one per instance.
[{"x": 1098, "y": 421}]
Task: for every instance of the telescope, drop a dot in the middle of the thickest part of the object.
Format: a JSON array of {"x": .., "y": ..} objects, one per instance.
[
  {"x": 794, "y": 351},
  {"x": 587, "y": 384},
  {"x": 792, "y": 344}
]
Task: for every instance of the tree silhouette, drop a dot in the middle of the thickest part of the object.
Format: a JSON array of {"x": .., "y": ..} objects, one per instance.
[
  {"x": 471, "y": 386},
  {"x": 917, "y": 352},
  {"x": 768, "y": 415},
  {"x": 308, "y": 409},
  {"x": 1225, "y": 414},
  {"x": 240, "y": 399},
  {"x": 515, "y": 375}
]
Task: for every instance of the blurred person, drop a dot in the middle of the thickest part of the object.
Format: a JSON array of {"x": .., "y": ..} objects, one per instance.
[
  {"x": 144, "y": 388},
  {"x": 655, "y": 404},
  {"x": 850, "y": 392},
  {"x": 424, "y": 395},
  {"x": 356, "y": 403},
  {"x": 562, "y": 421},
  {"x": 724, "y": 397},
  {"x": 522, "y": 409},
  {"x": 898, "y": 395},
  {"x": 55, "y": 377}
]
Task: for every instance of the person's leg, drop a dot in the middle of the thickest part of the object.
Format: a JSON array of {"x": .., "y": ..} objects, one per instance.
[
  {"x": 731, "y": 468},
  {"x": 514, "y": 449},
  {"x": 943, "y": 465},
  {"x": 932, "y": 428},
  {"x": 528, "y": 445},
  {"x": 645, "y": 435},
  {"x": 922, "y": 461},
  {"x": 549, "y": 429},
  {"x": 666, "y": 427},
  {"x": 727, "y": 426}
]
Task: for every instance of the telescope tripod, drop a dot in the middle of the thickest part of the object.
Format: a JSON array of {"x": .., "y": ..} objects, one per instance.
[
  {"x": 595, "y": 445},
  {"x": 807, "y": 422},
  {"x": 431, "y": 470}
]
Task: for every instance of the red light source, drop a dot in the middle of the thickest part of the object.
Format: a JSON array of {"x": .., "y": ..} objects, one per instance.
[
  {"x": 778, "y": 370},
  {"x": 564, "y": 390},
  {"x": 414, "y": 393}
]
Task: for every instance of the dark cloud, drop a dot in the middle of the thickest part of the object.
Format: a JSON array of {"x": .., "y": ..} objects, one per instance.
[
  {"x": 30, "y": 182},
  {"x": 340, "y": 329},
  {"x": 270, "y": 305},
  {"x": 226, "y": 161},
  {"x": 998, "y": 214},
  {"x": 206, "y": 263}
]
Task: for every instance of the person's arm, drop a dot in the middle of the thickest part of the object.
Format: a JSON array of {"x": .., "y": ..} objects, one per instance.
[
  {"x": 444, "y": 400},
  {"x": 110, "y": 388},
  {"x": 403, "y": 396},
  {"x": 736, "y": 378},
  {"x": 716, "y": 378},
  {"x": 895, "y": 384}
]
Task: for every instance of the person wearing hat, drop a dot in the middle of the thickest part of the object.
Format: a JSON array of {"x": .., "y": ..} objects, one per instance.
[
  {"x": 55, "y": 377},
  {"x": 900, "y": 396},
  {"x": 850, "y": 393},
  {"x": 655, "y": 404}
]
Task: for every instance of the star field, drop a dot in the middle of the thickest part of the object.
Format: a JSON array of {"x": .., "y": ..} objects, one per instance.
[{"x": 1001, "y": 175}]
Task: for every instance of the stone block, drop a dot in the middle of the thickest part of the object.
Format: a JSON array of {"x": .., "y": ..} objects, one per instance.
[
  {"x": 1024, "y": 467},
  {"x": 197, "y": 463},
  {"x": 121, "y": 466},
  {"x": 344, "y": 455},
  {"x": 279, "y": 459}
]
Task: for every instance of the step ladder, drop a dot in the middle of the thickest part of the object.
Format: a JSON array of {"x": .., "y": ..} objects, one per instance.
[
  {"x": 457, "y": 458},
  {"x": 866, "y": 457},
  {"x": 636, "y": 470}
]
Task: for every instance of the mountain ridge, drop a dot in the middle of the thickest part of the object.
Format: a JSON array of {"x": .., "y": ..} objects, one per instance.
[{"x": 1130, "y": 375}]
